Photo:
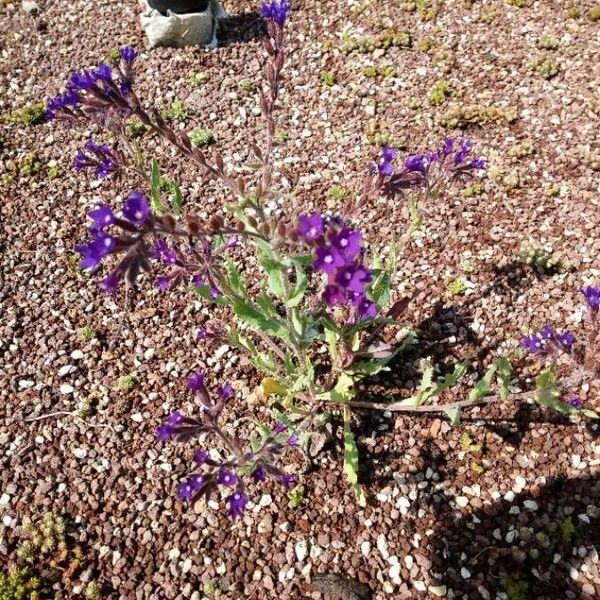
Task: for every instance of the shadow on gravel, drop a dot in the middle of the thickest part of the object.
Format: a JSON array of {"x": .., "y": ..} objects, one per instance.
[
  {"x": 241, "y": 28},
  {"x": 547, "y": 549}
]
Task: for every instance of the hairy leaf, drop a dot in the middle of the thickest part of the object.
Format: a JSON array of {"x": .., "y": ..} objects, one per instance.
[
  {"x": 350, "y": 452},
  {"x": 504, "y": 375},
  {"x": 483, "y": 385}
]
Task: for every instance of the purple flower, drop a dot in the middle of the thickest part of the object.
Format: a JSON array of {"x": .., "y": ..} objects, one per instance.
[
  {"x": 215, "y": 292},
  {"x": 532, "y": 343},
  {"x": 102, "y": 215},
  {"x": 162, "y": 283},
  {"x": 226, "y": 391},
  {"x": 190, "y": 486},
  {"x": 201, "y": 334},
  {"x": 347, "y": 242},
  {"x": 110, "y": 285},
  {"x": 592, "y": 296},
  {"x": 479, "y": 163},
  {"x": 287, "y": 480},
  {"x": 311, "y": 228},
  {"x": 128, "y": 54},
  {"x": 93, "y": 253},
  {"x": 82, "y": 81},
  {"x": 328, "y": 259},
  {"x": 136, "y": 208},
  {"x": 353, "y": 278},
  {"x": 198, "y": 280},
  {"x": 200, "y": 457},
  {"x": 280, "y": 427},
  {"x": 448, "y": 146},
  {"x": 175, "y": 419},
  {"x": 575, "y": 402},
  {"x": 95, "y": 156},
  {"x": 293, "y": 441},
  {"x": 196, "y": 382},
  {"x": 388, "y": 155},
  {"x": 258, "y": 474},
  {"x": 366, "y": 308},
  {"x": 567, "y": 339},
  {"x": 164, "y": 253},
  {"x": 333, "y": 295},
  {"x": 276, "y": 11},
  {"x": 104, "y": 73},
  {"x": 164, "y": 432},
  {"x": 237, "y": 503},
  {"x": 548, "y": 332},
  {"x": 417, "y": 162},
  {"x": 228, "y": 478}
]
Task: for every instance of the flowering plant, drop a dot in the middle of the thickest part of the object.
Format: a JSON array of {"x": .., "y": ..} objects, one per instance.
[{"x": 319, "y": 286}]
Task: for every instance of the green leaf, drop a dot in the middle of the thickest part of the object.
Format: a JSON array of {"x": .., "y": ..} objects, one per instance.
[
  {"x": 483, "y": 385},
  {"x": 416, "y": 217},
  {"x": 204, "y": 291},
  {"x": 155, "y": 180},
  {"x": 361, "y": 499},
  {"x": 177, "y": 198},
  {"x": 235, "y": 279},
  {"x": 453, "y": 415},
  {"x": 350, "y": 452},
  {"x": 548, "y": 392},
  {"x": 504, "y": 375},
  {"x": 297, "y": 294},
  {"x": 251, "y": 317},
  {"x": 380, "y": 289},
  {"x": 298, "y": 322},
  {"x": 274, "y": 268}
]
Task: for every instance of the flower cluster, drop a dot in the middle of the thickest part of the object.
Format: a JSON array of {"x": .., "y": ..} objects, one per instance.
[
  {"x": 101, "y": 94},
  {"x": 592, "y": 297},
  {"x": 548, "y": 342},
  {"x": 98, "y": 157},
  {"x": 276, "y": 11},
  {"x": 339, "y": 254},
  {"x": 214, "y": 473}
]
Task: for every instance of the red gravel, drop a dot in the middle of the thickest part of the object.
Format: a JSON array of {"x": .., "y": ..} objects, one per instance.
[{"x": 443, "y": 520}]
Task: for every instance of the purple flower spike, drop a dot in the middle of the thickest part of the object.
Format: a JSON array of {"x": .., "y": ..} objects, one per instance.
[
  {"x": 311, "y": 228},
  {"x": 276, "y": 11},
  {"x": 226, "y": 391},
  {"x": 162, "y": 283},
  {"x": 228, "y": 478},
  {"x": 164, "y": 432},
  {"x": 237, "y": 503},
  {"x": 280, "y": 427},
  {"x": 201, "y": 334},
  {"x": 196, "y": 382},
  {"x": 479, "y": 163},
  {"x": 417, "y": 162},
  {"x": 548, "y": 332},
  {"x": 200, "y": 457},
  {"x": 128, "y": 54},
  {"x": 287, "y": 480},
  {"x": 136, "y": 208},
  {"x": 575, "y": 402},
  {"x": 367, "y": 309},
  {"x": 175, "y": 418},
  {"x": 448, "y": 146},
  {"x": 190, "y": 486},
  {"x": 104, "y": 72},
  {"x": 258, "y": 474},
  {"x": 347, "y": 242},
  {"x": 532, "y": 343},
  {"x": 293, "y": 441},
  {"x": 388, "y": 155},
  {"x": 567, "y": 339},
  {"x": 353, "y": 278},
  {"x": 592, "y": 296},
  {"x": 328, "y": 260},
  {"x": 333, "y": 295},
  {"x": 110, "y": 285}
]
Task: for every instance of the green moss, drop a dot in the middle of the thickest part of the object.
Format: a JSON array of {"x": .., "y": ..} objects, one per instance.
[
  {"x": 92, "y": 591},
  {"x": 197, "y": 79},
  {"x": 338, "y": 193},
  {"x": 515, "y": 589},
  {"x": 426, "y": 44},
  {"x": 488, "y": 14},
  {"x": 88, "y": 334},
  {"x": 468, "y": 444},
  {"x": 381, "y": 71},
  {"x": 518, "y": 3},
  {"x": 18, "y": 584},
  {"x": 573, "y": 12},
  {"x": 594, "y": 13},
  {"x": 202, "y": 137},
  {"x": 547, "y": 42},
  {"x": 438, "y": 93},
  {"x": 211, "y": 589},
  {"x": 548, "y": 68},
  {"x": 540, "y": 259},
  {"x": 127, "y": 383},
  {"x": 413, "y": 103},
  {"x": 328, "y": 78},
  {"x": 176, "y": 113},
  {"x": 296, "y": 496},
  {"x": 365, "y": 45},
  {"x": 565, "y": 529},
  {"x": 135, "y": 128},
  {"x": 461, "y": 116},
  {"x": 553, "y": 191},
  {"x": 30, "y": 115},
  {"x": 456, "y": 287},
  {"x": 522, "y": 150},
  {"x": 477, "y": 468},
  {"x": 281, "y": 136},
  {"x": 53, "y": 172},
  {"x": 113, "y": 57},
  {"x": 474, "y": 190},
  {"x": 248, "y": 86},
  {"x": 29, "y": 165}
]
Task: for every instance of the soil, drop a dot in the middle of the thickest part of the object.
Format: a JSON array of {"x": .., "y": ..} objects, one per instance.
[{"x": 513, "y": 508}]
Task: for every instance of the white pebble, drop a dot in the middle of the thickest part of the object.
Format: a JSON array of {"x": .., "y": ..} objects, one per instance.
[
  {"x": 80, "y": 452},
  {"x": 77, "y": 355},
  {"x": 465, "y": 573},
  {"x": 4, "y": 499},
  {"x": 530, "y": 505},
  {"x": 301, "y": 550},
  {"x": 395, "y": 574},
  {"x": 382, "y": 546},
  {"x": 438, "y": 590},
  {"x": 462, "y": 501},
  {"x": 365, "y": 548},
  {"x": 65, "y": 388}
]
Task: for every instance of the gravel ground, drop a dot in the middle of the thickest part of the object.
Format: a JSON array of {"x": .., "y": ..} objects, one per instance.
[{"x": 511, "y": 508}]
